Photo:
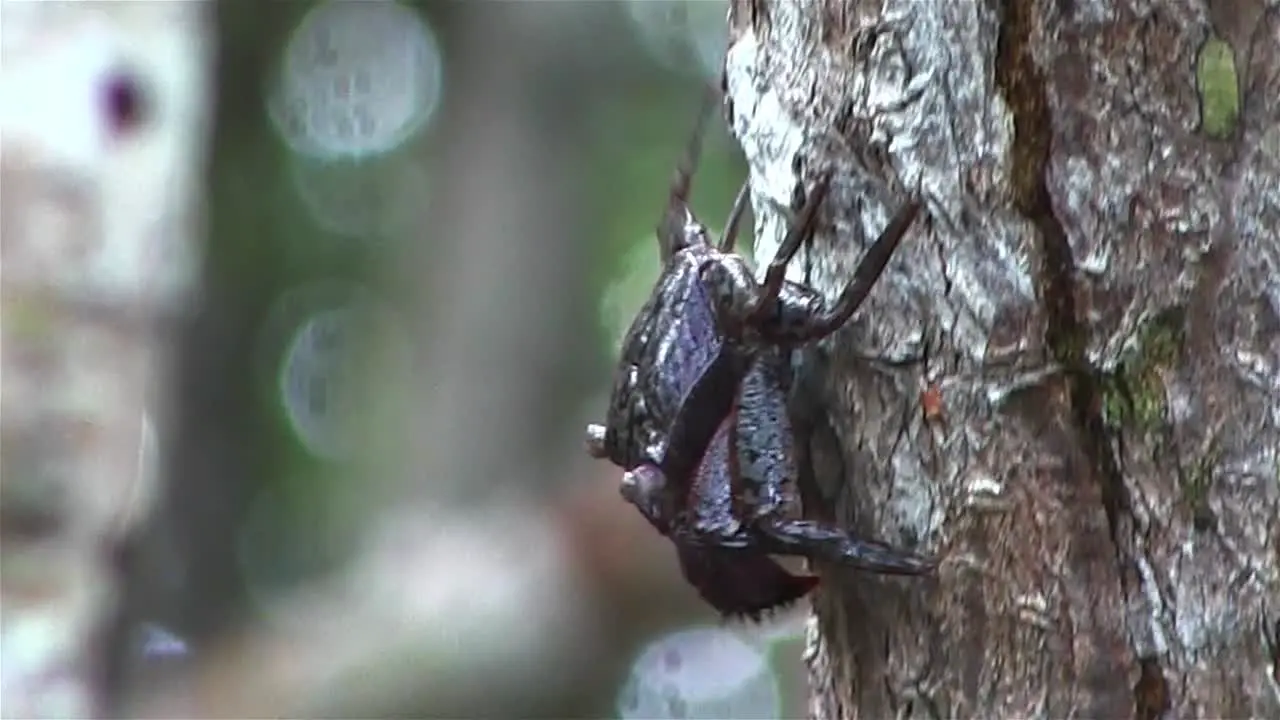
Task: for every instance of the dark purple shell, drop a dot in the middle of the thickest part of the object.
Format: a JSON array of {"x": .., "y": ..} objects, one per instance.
[{"x": 674, "y": 381}]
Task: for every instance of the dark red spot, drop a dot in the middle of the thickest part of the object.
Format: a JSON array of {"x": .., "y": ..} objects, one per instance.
[
  {"x": 122, "y": 101},
  {"x": 931, "y": 403}
]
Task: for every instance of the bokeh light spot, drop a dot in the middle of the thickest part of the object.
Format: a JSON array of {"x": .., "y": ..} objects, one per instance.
[
  {"x": 700, "y": 673},
  {"x": 317, "y": 348},
  {"x": 315, "y": 373},
  {"x": 356, "y": 79},
  {"x": 374, "y": 200}
]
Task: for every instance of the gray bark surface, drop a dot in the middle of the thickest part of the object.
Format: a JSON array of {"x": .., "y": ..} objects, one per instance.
[{"x": 1067, "y": 383}]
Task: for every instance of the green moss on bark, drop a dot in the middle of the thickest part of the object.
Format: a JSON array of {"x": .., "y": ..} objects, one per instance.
[
  {"x": 1134, "y": 397},
  {"x": 1218, "y": 85}
]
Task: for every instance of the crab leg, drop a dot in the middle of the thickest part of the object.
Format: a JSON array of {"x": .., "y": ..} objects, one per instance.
[
  {"x": 800, "y": 231},
  {"x": 817, "y": 541},
  {"x": 670, "y": 231},
  {"x": 762, "y": 441},
  {"x": 741, "y": 299},
  {"x": 797, "y": 322},
  {"x": 730, "y": 236}
]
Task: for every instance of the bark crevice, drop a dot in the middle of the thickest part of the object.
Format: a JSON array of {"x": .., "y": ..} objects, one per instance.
[{"x": 1023, "y": 88}]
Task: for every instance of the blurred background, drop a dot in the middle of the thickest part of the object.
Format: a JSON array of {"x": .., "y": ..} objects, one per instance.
[{"x": 429, "y": 226}]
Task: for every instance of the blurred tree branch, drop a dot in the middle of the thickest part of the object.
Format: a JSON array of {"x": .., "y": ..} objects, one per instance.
[
  {"x": 103, "y": 131},
  {"x": 476, "y": 592}
]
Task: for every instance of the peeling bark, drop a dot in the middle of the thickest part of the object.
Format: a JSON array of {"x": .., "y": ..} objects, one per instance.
[{"x": 1068, "y": 381}]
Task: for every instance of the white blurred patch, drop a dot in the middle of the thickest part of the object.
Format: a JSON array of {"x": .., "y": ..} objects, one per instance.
[
  {"x": 34, "y": 683},
  {"x": 144, "y": 488},
  {"x": 157, "y": 643},
  {"x": 91, "y": 210},
  {"x": 356, "y": 79},
  {"x": 435, "y": 602},
  {"x": 700, "y": 673},
  {"x": 50, "y": 101}
]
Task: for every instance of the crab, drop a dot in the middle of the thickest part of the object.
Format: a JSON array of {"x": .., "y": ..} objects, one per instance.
[{"x": 698, "y": 416}]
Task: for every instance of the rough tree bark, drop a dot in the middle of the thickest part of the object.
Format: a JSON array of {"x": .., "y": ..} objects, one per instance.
[{"x": 1075, "y": 390}]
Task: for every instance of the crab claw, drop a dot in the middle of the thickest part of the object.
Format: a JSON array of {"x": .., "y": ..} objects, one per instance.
[
  {"x": 644, "y": 486},
  {"x": 740, "y": 584}
]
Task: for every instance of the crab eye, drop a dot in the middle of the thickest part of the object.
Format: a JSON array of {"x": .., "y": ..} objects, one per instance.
[{"x": 122, "y": 103}]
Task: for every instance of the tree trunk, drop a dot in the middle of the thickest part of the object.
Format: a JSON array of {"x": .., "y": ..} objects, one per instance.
[{"x": 1067, "y": 383}]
